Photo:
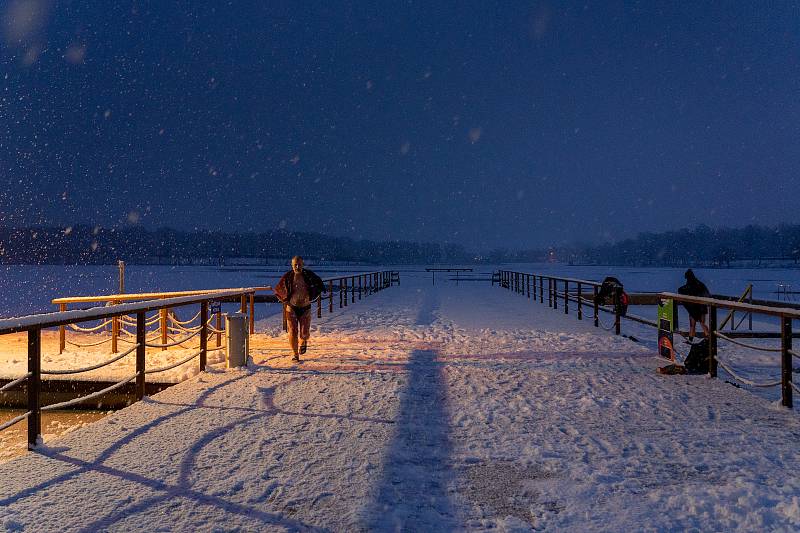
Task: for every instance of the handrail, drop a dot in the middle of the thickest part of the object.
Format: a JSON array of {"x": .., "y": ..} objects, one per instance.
[
  {"x": 63, "y": 318},
  {"x": 146, "y": 295},
  {"x": 739, "y": 306}
]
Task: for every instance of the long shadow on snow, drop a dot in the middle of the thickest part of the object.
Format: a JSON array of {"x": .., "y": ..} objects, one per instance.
[
  {"x": 412, "y": 492},
  {"x": 166, "y": 490}
]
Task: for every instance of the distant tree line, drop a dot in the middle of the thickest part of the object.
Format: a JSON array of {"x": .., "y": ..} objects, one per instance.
[
  {"x": 93, "y": 245},
  {"x": 699, "y": 246}
]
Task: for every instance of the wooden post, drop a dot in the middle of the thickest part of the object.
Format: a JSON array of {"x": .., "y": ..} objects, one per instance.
[
  {"x": 341, "y": 290},
  {"x": 549, "y": 292},
  {"x": 319, "y": 306},
  {"x": 555, "y": 293},
  {"x": 121, "y": 266},
  {"x": 360, "y": 287},
  {"x": 34, "y": 386},
  {"x": 617, "y": 310},
  {"x": 62, "y": 332},
  {"x": 219, "y": 325},
  {"x": 566, "y": 297},
  {"x": 243, "y": 303},
  {"x": 580, "y": 301},
  {"x": 712, "y": 340},
  {"x": 345, "y": 291},
  {"x": 163, "y": 313},
  {"x": 204, "y": 334},
  {"x": 252, "y": 312},
  {"x": 114, "y": 333},
  {"x": 353, "y": 290},
  {"x": 141, "y": 350},
  {"x": 534, "y": 287},
  {"x": 596, "y": 307},
  {"x": 541, "y": 290},
  {"x": 786, "y": 362},
  {"x": 529, "y": 286},
  {"x": 330, "y": 303}
]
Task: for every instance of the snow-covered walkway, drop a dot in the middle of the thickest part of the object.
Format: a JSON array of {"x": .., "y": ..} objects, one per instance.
[{"x": 425, "y": 408}]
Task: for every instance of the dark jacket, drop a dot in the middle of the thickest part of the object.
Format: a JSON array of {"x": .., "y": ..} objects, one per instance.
[
  {"x": 283, "y": 290},
  {"x": 694, "y": 287}
]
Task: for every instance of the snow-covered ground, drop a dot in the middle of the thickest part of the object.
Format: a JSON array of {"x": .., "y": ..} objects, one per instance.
[{"x": 426, "y": 408}]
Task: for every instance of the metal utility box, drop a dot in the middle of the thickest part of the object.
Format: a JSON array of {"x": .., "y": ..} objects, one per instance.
[{"x": 237, "y": 340}]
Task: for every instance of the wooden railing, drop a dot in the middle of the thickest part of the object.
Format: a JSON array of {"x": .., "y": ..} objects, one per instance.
[
  {"x": 785, "y": 317},
  {"x": 34, "y": 324},
  {"x": 357, "y": 284},
  {"x": 165, "y": 318},
  {"x": 537, "y": 285}
]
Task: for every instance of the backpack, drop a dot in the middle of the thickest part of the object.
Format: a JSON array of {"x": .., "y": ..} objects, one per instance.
[
  {"x": 697, "y": 362},
  {"x": 605, "y": 296}
]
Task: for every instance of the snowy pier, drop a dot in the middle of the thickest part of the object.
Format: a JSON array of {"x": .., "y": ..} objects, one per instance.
[{"x": 430, "y": 408}]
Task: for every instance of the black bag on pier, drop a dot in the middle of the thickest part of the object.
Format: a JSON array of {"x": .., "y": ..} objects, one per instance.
[{"x": 697, "y": 362}]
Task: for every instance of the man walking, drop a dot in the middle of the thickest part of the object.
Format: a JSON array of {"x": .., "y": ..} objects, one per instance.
[{"x": 297, "y": 289}]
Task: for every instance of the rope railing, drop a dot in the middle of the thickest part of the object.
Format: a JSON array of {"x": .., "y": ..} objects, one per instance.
[
  {"x": 181, "y": 329},
  {"x": 171, "y": 344},
  {"x": 131, "y": 322},
  {"x": 745, "y": 345},
  {"x": 12, "y": 384},
  {"x": 89, "y": 368},
  {"x": 183, "y": 322},
  {"x": 746, "y": 381},
  {"x": 133, "y": 336},
  {"x": 173, "y": 365},
  {"x": 81, "y": 399},
  {"x": 89, "y": 345},
  {"x": 16, "y": 419},
  {"x": 794, "y": 354},
  {"x": 76, "y": 327}
]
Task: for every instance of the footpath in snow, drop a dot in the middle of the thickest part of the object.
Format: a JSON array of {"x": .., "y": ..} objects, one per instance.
[{"x": 427, "y": 409}]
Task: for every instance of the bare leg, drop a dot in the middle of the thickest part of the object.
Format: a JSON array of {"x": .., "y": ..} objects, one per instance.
[
  {"x": 692, "y": 327},
  {"x": 704, "y": 326},
  {"x": 293, "y": 327}
]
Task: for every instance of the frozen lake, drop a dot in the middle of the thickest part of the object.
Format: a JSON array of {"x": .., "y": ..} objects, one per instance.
[{"x": 28, "y": 289}]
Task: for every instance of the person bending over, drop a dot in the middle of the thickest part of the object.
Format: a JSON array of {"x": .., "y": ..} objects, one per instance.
[{"x": 296, "y": 290}]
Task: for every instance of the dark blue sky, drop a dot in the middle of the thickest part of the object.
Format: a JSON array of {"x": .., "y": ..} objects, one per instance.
[{"x": 512, "y": 124}]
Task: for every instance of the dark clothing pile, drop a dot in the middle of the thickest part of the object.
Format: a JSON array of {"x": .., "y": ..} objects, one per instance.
[
  {"x": 695, "y": 287},
  {"x": 605, "y": 296}
]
